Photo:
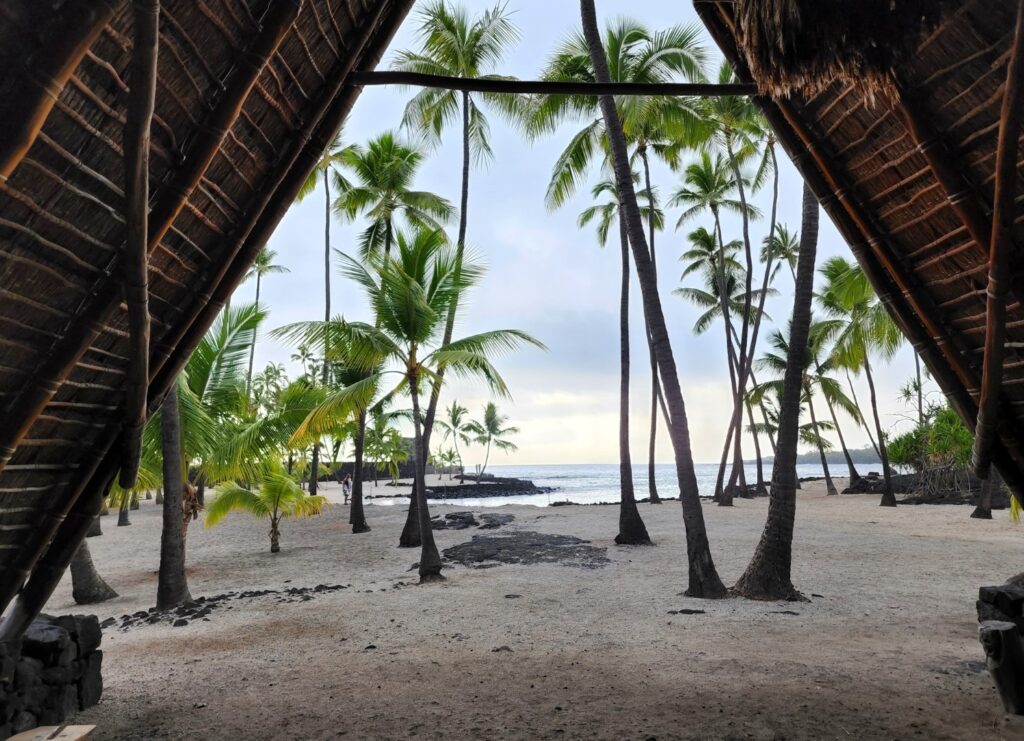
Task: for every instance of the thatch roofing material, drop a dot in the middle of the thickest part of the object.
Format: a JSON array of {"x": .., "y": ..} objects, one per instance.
[
  {"x": 61, "y": 226},
  {"x": 890, "y": 185}
]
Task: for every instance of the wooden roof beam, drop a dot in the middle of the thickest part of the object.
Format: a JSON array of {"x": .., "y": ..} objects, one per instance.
[
  {"x": 104, "y": 297},
  {"x": 550, "y": 87},
  {"x": 999, "y": 254},
  {"x": 141, "y": 103},
  {"x": 42, "y": 74}
]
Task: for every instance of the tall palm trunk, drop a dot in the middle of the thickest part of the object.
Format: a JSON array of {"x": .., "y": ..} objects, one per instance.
[
  {"x": 252, "y": 347},
  {"x": 122, "y": 511},
  {"x": 172, "y": 584},
  {"x": 632, "y": 530},
  {"x": 830, "y": 487},
  {"x": 854, "y": 476},
  {"x": 863, "y": 422},
  {"x": 314, "y": 481},
  {"x": 888, "y": 497},
  {"x": 410, "y": 536},
  {"x": 87, "y": 586},
  {"x": 761, "y": 487},
  {"x": 356, "y": 515},
  {"x": 703, "y": 577},
  {"x": 652, "y": 482},
  {"x": 920, "y": 389},
  {"x": 769, "y": 574},
  {"x": 983, "y": 511},
  {"x": 430, "y": 559},
  {"x": 723, "y": 300}
]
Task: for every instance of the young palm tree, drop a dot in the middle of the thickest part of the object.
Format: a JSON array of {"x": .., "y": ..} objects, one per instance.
[
  {"x": 867, "y": 329},
  {"x": 456, "y": 428},
  {"x": 703, "y": 577},
  {"x": 631, "y": 526},
  {"x": 264, "y": 265},
  {"x": 491, "y": 430},
  {"x": 278, "y": 497},
  {"x": 769, "y": 574},
  {"x": 410, "y": 293},
  {"x": 662, "y": 126},
  {"x": 383, "y": 174}
]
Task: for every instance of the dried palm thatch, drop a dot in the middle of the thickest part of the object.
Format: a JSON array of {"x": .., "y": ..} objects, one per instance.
[
  {"x": 804, "y": 45},
  {"x": 911, "y": 186}
]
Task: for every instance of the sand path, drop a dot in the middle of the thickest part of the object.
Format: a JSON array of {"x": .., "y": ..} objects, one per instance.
[{"x": 888, "y": 649}]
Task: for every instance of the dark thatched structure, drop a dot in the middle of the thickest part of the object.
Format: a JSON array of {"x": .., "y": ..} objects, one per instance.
[
  {"x": 248, "y": 93},
  {"x": 925, "y": 184}
]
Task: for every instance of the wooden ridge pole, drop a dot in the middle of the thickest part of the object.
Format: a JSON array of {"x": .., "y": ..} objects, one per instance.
[
  {"x": 102, "y": 301},
  {"x": 40, "y": 77},
  {"x": 145, "y": 47},
  {"x": 1003, "y": 212},
  {"x": 551, "y": 87},
  {"x": 938, "y": 362}
]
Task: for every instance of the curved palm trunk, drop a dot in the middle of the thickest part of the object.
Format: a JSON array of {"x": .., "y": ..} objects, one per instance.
[
  {"x": 87, "y": 586},
  {"x": 769, "y": 574},
  {"x": 172, "y": 584},
  {"x": 854, "y": 476},
  {"x": 356, "y": 515},
  {"x": 988, "y": 486},
  {"x": 430, "y": 559},
  {"x": 652, "y": 483},
  {"x": 632, "y": 530},
  {"x": 723, "y": 497},
  {"x": 830, "y": 487},
  {"x": 888, "y": 497},
  {"x": 703, "y": 577},
  {"x": 863, "y": 422},
  {"x": 409, "y": 537}
]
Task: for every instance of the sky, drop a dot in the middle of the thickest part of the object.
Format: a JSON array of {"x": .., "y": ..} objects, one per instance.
[{"x": 551, "y": 279}]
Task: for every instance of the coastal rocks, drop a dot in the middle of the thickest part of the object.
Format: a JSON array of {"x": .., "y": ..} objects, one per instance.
[
  {"x": 526, "y": 548},
  {"x": 487, "y": 486},
  {"x": 202, "y": 607},
  {"x": 465, "y": 520},
  {"x": 51, "y": 674}
]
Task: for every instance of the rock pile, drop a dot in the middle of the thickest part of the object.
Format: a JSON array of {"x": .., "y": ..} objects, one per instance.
[
  {"x": 465, "y": 520},
  {"x": 53, "y": 672}
]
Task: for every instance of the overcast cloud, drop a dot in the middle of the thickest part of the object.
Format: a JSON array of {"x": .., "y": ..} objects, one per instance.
[{"x": 550, "y": 279}]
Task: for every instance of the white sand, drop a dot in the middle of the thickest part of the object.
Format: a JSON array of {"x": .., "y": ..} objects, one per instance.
[{"x": 888, "y": 651}]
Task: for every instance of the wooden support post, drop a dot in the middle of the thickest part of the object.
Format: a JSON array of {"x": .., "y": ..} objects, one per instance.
[
  {"x": 145, "y": 47},
  {"x": 1004, "y": 652},
  {"x": 102, "y": 302},
  {"x": 1003, "y": 208},
  {"x": 40, "y": 77}
]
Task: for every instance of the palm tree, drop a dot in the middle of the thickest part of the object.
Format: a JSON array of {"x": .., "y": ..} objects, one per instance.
[
  {"x": 454, "y": 44},
  {"x": 87, "y": 586},
  {"x": 769, "y": 574},
  {"x": 631, "y": 526},
  {"x": 410, "y": 293},
  {"x": 456, "y": 427},
  {"x": 659, "y": 125},
  {"x": 703, "y": 577},
  {"x": 263, "y": 265},
  {"x": 383, "y": 174},
  {"x": 866, "y": 329},
  {"x": 278, "y": 497},
  {"x": 172, "y": 584},
  {"x": 708, "y": 186},
  {"x": 491, "y": 430}
]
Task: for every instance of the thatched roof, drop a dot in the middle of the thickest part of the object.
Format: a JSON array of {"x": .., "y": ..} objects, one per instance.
[
  {"x": 234, "y": 135},
  {"x": 909, "y": 181}
]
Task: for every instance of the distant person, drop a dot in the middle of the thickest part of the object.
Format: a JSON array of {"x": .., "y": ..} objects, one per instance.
[{"x": 346, "y": 486}]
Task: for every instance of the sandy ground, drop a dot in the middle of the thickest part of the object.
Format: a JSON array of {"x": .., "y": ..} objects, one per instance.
[{"x": 888, "y": 649}]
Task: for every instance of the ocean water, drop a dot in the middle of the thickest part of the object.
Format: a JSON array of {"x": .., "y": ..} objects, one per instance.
[{"x": 592, "y": 484}]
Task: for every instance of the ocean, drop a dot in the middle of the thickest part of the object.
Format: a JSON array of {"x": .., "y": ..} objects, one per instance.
[{"x": 593, "y": 484}]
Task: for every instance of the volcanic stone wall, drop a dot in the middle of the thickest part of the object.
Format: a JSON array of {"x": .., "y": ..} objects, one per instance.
[{"x": 53, "y": 672}]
